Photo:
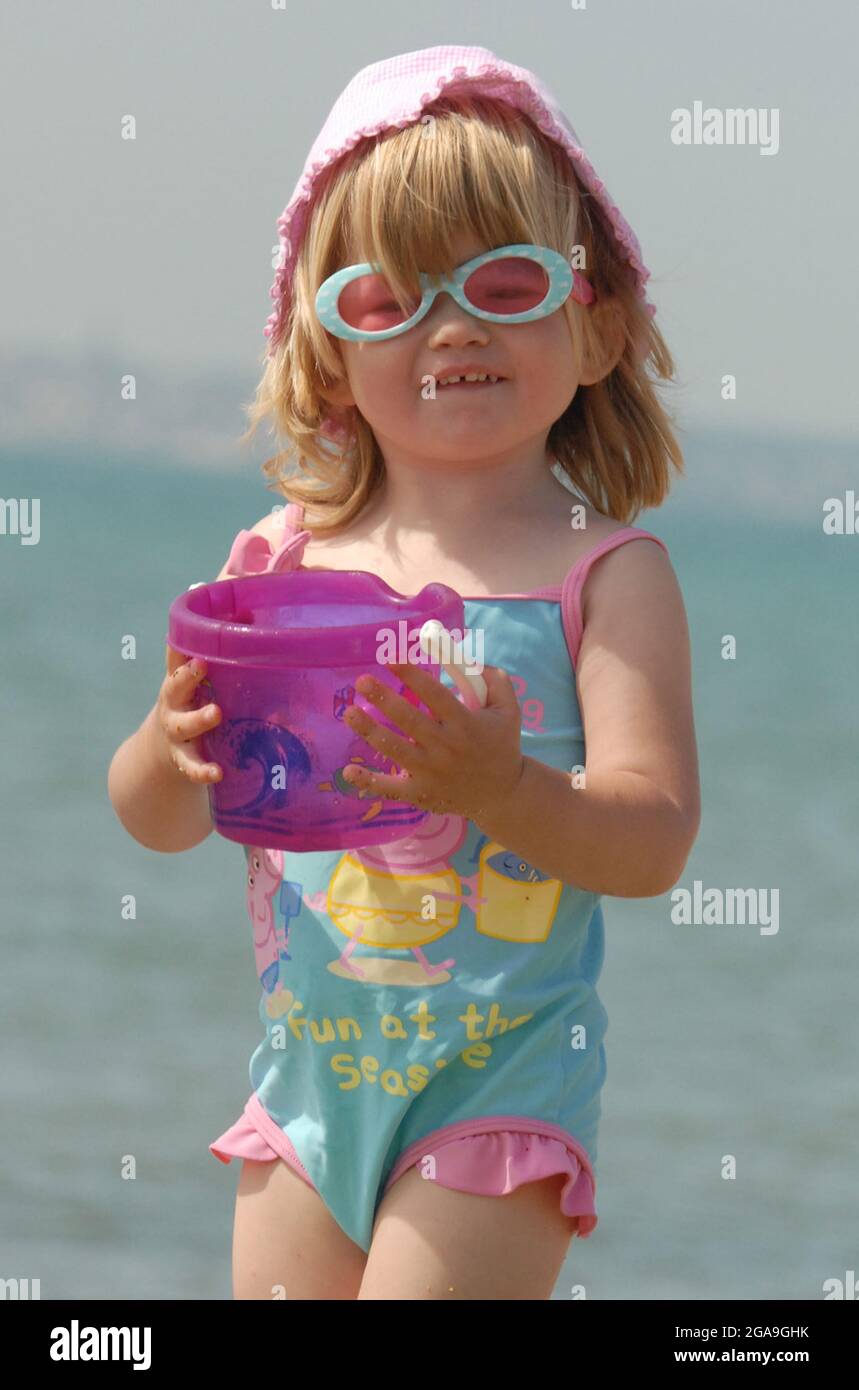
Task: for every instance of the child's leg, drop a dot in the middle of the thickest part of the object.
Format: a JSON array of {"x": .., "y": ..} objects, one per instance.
[
  {"x": 286, "y": 1243},
  {"x": 431, "y": 1242}
]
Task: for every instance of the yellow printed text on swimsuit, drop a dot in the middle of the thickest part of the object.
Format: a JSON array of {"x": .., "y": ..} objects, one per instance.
[{"x": 415, "y": 1027}]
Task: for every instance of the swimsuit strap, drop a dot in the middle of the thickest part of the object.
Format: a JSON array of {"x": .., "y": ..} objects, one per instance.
[
  {"x": 293, "y": 519},
  {"x": 571, "y": 590}
]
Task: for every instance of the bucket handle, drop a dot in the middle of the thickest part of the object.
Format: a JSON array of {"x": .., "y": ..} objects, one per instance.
[{"x": 469, "y": 680}]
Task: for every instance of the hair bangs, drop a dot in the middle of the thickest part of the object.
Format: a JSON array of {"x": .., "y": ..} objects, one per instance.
[{"x": 475, "y": 167}]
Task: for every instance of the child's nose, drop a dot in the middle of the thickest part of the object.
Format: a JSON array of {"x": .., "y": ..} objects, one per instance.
[{"x": 447, "y": 322}]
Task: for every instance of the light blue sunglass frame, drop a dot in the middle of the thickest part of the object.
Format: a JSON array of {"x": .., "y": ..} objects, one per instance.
[{"x": 563, "y": 281}]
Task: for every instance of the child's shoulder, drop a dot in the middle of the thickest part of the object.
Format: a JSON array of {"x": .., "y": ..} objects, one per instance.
[
  {"x": 635, "y": 576},
  {"x": 601, "y": 529},
  {"x": 639, "y": 546},
  {"x": 593, "y": 542}
]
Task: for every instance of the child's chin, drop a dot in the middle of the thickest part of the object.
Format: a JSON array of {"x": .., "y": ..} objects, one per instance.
[{"x": 449, "y": 449}]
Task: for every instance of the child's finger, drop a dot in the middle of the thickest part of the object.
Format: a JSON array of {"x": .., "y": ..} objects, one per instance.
[
  {"x": 180, "y": 684},
  {"x": 182, "y": 725},
  {"x": 195, "y": 768},
  {"x": 177, "y": 659}
]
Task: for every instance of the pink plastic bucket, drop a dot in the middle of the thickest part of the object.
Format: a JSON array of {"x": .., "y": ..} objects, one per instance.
[{"x": 283, "y": 652}]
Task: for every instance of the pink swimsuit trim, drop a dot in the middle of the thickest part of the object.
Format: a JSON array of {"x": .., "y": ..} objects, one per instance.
[{"x": 488, "y": 1157}]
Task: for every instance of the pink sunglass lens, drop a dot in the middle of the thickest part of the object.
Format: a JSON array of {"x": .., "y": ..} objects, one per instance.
[
  {"x": 369, "y": 304},
  {"x": 511, "y": 285}
]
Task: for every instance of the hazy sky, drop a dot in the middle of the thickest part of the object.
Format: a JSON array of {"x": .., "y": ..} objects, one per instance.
[{"x": 161, "y": 247}]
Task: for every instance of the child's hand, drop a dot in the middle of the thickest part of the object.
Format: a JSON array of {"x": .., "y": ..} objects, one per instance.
[
  {"x": 461, "y": 763},
  {"x": 181, "y": 724}
]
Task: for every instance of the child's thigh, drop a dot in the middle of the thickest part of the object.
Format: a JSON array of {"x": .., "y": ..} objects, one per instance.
[
  {"x": 433, "y": 1242},
  {"x": 286, "y": 1243}
]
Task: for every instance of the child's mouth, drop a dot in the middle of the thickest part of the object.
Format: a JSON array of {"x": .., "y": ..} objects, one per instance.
[{"x": 467, "y": 383}]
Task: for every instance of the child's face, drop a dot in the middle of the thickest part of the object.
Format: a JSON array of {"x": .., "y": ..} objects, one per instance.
[{"x": 388, "y": 380}]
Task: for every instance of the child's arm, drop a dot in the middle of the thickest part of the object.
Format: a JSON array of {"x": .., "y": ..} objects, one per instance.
[
  {"x": 158, "y": 805},
  {"x": 629, "y": 830}
]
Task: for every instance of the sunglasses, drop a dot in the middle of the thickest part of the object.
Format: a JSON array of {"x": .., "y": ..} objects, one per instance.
[{"x": 513, "y": 284}]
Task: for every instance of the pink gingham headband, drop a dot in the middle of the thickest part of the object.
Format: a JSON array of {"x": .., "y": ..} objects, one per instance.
[{"x": 394, "y": 93}]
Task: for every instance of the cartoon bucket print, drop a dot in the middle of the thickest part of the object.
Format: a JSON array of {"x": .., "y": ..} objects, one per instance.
[{"x": 519, "y": 902}]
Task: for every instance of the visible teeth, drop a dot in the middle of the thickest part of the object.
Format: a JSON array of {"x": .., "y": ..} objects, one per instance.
[{"x": 471, "y": 376}]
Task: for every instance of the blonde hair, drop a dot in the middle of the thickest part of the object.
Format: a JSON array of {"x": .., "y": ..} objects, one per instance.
[{"x": 399, "y": 200}]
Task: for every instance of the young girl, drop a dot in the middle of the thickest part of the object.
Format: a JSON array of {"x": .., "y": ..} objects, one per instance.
[{"x": 460, "y": 334}]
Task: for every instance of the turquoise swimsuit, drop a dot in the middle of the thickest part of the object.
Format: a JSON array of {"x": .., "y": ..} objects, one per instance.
[{"x": 439, "y": 986}]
